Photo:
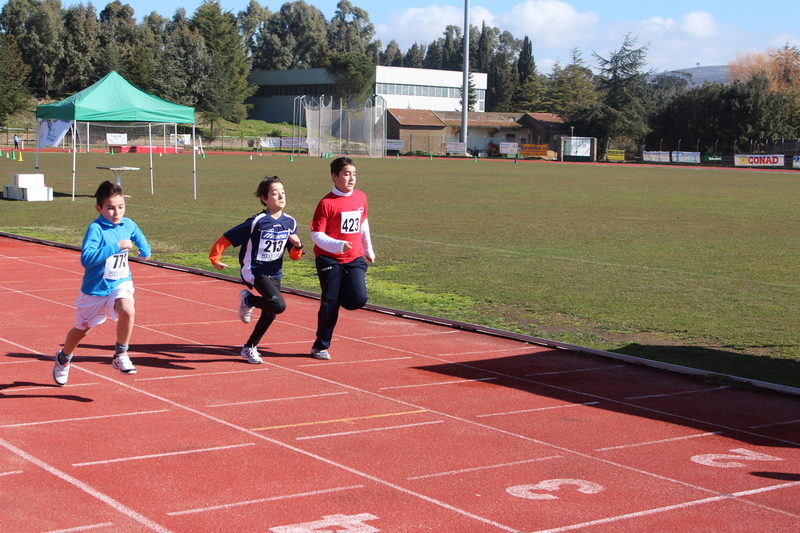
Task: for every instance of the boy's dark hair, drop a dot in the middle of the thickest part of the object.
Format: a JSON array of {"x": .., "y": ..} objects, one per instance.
[
  {"x": 263, "y": 187},
  {"x": 106, "y": 190},
  {"x": 338, "y": 164}
]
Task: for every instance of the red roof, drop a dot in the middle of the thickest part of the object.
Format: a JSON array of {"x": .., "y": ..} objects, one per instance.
[{"x": 416, "y": 117}]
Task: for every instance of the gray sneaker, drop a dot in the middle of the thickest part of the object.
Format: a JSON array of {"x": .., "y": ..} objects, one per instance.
[
  {"x": 245, "y": 311},
  {"x": 251, "y": 354},
  {"x": 320, "y": 354},
  {"x": 61, "y": 372}
]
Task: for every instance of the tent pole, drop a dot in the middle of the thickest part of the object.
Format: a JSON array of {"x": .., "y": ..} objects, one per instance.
[
  {"x": 194, "y": 160},
  {"x": 36, "y": 166},
  {"x": 150, "y": 142},
  {"x": 74, "y": 129}
]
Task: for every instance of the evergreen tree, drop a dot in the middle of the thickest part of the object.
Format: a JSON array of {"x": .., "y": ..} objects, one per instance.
[
  {"x": 117, "y": 38},
  {"x": 42, "y": 45},
  {"x": 81, "y": 47},
  {"x": 350, "y": 29},
  {"x": 415, "y": 57},
  {"x": 433, "y": 56},
  {"x": 14, "y": 94},
  {"x": 393, "y": 57},
  {"x": 353, "y": 75},
  {"x": 452, "y": 53},
  {"x": 250, "y": 22},
  {"x": 485, "y": 49},
  {"x": 296, "y": 37},
  {"x": 567, "y": 90}
]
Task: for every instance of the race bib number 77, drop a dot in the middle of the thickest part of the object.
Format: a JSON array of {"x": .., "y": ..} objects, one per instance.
[{"x": 117, "y": 266}]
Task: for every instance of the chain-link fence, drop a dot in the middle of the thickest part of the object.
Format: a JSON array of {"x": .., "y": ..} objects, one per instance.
[{"x": 332, "y": 128}]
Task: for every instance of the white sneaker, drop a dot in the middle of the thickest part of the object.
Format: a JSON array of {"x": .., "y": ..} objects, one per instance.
[
  {"x": 251, "y": 354},
  {"x": 320, "y": 354},
  {"x": 123, "y": 363},
  {"x": 61, "y": 372},
  {"x": 245, "y": 311}
]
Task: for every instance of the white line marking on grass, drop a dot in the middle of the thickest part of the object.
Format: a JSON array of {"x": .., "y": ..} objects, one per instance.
[
  {"x": 487, "y": 467},
  {"x": 279, "y": 399},
  {"x": 679, "y": 506},
  {"x": 11, "y": 473},
  {"x": 677, "y": 393},
  {"x": 575, "y": 370},
  {"x": 687, "y": 437},
  {"x": 82, "y": 528},
  {"x": 332, "y": 363},
  {"x": 538, "y": 409},
  {"x": 262, "y": 500},
  {"x": 111, "y": 502},
  {"x": 60, "y": 420},
  {"x": 158, "y": 455},
  {"x": 196, "y": 375},
  {"x": 372, "y": 430},
  {"x": 775, "y": 424},
  {"x": 435, "y": 384}
]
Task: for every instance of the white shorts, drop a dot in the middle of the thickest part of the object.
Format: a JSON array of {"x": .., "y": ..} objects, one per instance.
[{"x": 90, "y": 311}]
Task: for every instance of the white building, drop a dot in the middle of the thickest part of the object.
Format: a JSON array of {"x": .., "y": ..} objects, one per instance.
[{"x": 403, "y": 88}]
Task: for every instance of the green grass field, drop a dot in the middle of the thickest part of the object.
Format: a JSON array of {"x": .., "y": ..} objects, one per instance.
[{"x": 696, "y": 267}]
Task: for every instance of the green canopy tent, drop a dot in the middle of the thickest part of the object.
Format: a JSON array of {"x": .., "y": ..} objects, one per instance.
[{"x": 114, "y": 99}]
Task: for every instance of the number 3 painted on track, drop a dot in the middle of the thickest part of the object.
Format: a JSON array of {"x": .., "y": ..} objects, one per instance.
[
  {"x": 550, "y": 485},
  {"x": 711, "y": 459}
]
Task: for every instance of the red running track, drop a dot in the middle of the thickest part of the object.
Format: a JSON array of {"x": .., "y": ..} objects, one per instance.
[{"x": 410, "y": 427}]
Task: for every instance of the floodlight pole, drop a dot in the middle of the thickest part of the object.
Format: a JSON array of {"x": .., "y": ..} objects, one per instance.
[{"x": 465, "y": 84}]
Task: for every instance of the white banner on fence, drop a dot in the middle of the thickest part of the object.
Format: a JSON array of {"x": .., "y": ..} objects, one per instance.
[
  {"x": 116, "y": 139},
  {"x": 456, "y": 148},
  {"x": 183, "y": 139},
  {"x": 796, "y": 161},
  {"x": 775, "y": 160},
  {"x": 509, "y": 148},
  {"x": 685, "y": 157},
  {"x": 270, "y": 142},
  {"x": 578, "y": 146},
  {"x": 395, "y": 144},
  {"x": 52, "y": 131},
  {"x": 294, "y": 142},
  {"x": 659, "y": 157}
]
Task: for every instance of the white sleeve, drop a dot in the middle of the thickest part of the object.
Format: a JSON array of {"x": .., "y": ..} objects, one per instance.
[
  {"x": 366, "y": 241},
  {"x": 332, "y": 246}
]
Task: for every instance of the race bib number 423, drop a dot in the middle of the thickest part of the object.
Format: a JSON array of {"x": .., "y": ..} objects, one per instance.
[
  {"x": 351, "y": 221},
  {"x": 117, "y": 266}
]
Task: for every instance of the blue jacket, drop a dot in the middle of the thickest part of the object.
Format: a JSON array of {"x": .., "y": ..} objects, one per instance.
[{"x": 106, "y": 266}]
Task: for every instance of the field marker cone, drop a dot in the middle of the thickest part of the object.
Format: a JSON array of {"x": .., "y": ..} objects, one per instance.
[
  {"x": 112, "y": 150},
  {"x": 251, "y": 158},
  {"x": 291, "y": 157},
  {"x": 13, "y": 155},
  {"x": 475, "y": 159},
  {"x": 1, "y": 153},
  {"x": 20, "y": 156},
  {"x": 430, "y": 157},
  {"x": 397, "y": 156}
]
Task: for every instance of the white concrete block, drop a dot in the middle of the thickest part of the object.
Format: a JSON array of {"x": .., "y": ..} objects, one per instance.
[
  {"x": 38, "y": 194},
  {"x": 12, "y": 193},
  {"x": 27, "y": 180}
]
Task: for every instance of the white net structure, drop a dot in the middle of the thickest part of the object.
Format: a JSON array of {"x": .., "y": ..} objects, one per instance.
[{"x": 333, "y": 129}]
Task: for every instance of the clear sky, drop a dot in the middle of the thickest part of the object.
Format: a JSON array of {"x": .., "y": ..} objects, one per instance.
[{"x": 679, "y": 33}]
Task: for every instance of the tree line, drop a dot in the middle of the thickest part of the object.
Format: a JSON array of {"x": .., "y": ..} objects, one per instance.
[{"x": 203, "y": 59}]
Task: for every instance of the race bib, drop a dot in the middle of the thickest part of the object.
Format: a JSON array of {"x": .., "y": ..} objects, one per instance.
[
  {"x": 351, "y": 221},
  {"x": 117, "y": 266},
  {"x": 271, "y": 245}
]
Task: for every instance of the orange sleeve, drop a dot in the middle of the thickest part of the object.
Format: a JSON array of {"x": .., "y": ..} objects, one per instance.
[
  {"x": 216, "y": 251},
  {"x": 295, "y": 253}
]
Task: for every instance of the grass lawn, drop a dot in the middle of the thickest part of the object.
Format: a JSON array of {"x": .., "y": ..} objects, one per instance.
[{"x": 696, "y": 267}]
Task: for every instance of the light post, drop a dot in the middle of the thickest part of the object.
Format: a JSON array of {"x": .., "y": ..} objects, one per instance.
[{"x": 572, "y": 131}]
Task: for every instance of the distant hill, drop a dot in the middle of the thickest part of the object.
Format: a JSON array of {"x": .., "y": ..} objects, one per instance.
[{"x": 700, "y": 75}]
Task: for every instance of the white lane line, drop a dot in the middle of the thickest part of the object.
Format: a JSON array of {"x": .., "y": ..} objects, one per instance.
[
  {"x": 280, "y": 399},
  {"x": 86, "y": 488},
  {"x": 687, "y": 437},
  {"x": 525, "y": 348},
  {"x": 487, "y": 467},
  {"x": 357, "y": 432},
  {"x": 59, "y": 420},
  {"x": 775, "y": 424},
  {"x": 679, "y": 506},
  {"x": 538, "y": 409},
  {"x": 333, "y": 363},
  {"x": 158, "y": 455},
  {"x": 677, "y": 393},
  {"x": 424, "y": 334},
  {"x": 262, "y": 500},
  {"x": 11, "y": 473},
  {"x": 436, "y": 384},
  {"x": 17, "y": 362},
  {"x": 82, "y": 528},
  {"x": 197, "y": 375},
  {"x": 47, "y": 387},
  {"x": 575, "y": 370}
]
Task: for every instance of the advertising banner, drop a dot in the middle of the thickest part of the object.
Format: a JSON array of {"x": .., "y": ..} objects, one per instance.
[
  {"x": 533, "y": 150},
  {"x": 52, "y": 131},
  {"x": 656, "y": 157},
  {"x": 116, "y": 139},
  {"x": 456, "y": 148},
  {"x": 743, "y": 160},
  {"x": 712, "y": 156},
  {"x": 183, "y": 139},
  {"x": 270, "y": 142},
  {"x": 395, "y": 144},
  {"x": 615, "y": 155},
  {"x": 685, "y": 157},
  {"x": 796, "y": 161},
  {"x": 509, "y": 148}
]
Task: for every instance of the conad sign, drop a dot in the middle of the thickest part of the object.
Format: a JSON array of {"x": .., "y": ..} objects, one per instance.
[{"x": 758, "y": 160}]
